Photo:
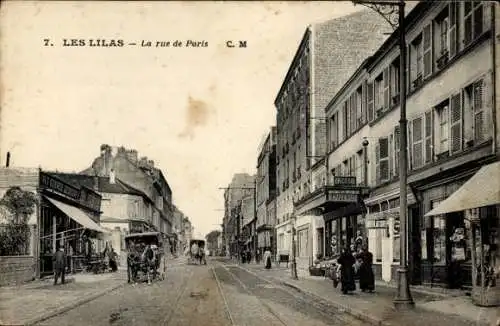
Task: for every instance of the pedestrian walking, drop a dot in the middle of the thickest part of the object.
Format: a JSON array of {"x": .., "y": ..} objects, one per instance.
[
  {"x": 267, "y": 258},
  {"x": 59, "y": 260},
  {"x": 366, "y": 277},
  {"x": 346, "y": 261}
]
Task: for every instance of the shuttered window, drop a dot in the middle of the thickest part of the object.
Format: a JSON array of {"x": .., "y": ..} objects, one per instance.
[
  {"x": 417, "y": 143},
  {"x": 387, "y": 89},
  {"x": 397, "y": 136},
  {"x": 384, "y": 159},
  {"x": 427, "y": 36},
  {"x": 391, "y": 155},
  {"x": 428, "y": 137},
  {"x": 479, "y": 123},
  {"x": 452, "y": 31},
  {"x": 353, "y": 112},
  {"x": 369, "y": 100},
  {"x": 345, "y": 117},
  {"x": 456, "y": 123},
  {"x": 377, "y": 163}
]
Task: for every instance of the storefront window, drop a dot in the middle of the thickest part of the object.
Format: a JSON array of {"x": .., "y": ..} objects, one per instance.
[
  {"x": 343, "y": 232},
  {"x": 439, "y": 239}
]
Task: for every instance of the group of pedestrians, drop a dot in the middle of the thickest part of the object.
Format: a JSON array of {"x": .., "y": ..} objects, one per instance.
[{"x": 349, "y": 263}]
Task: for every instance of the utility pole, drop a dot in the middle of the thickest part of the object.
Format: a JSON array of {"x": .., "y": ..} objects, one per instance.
[{"x": 394, "y": 13}]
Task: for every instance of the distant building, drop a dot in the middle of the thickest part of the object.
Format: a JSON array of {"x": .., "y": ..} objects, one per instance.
[
  {"x": 266, "y": 192},
  {"x": 142, "y": 175},
  {"x": 242, "y": 185}
]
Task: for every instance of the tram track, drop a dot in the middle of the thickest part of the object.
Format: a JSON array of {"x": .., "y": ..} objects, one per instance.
[
  {"x": 249, "y": 292},
  {"x": 183, "y": 289}
]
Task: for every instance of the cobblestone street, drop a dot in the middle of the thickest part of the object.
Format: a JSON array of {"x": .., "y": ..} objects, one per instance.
[{"x": 216, "y": 294}]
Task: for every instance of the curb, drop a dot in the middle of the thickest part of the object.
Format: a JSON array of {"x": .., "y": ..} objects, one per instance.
[
  {"x": 71, "y": 305},
  {"x": 346, "y": 309}
]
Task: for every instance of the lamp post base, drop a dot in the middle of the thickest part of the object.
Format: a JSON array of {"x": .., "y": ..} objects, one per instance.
[
  {"x": 294, "y": 270},
  {"x": 403, "y": 299}
]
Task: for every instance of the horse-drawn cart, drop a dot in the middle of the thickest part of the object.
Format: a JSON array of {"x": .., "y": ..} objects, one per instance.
[
  {"x": 145, "y": 256},
  {"x": 197, "y": 252}
]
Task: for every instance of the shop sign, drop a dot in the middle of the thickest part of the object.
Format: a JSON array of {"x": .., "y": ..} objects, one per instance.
[
  {"x": 343, "y": 196},
  {"x": 54, "y": 184}
]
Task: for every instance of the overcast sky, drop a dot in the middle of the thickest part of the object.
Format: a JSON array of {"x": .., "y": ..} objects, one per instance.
[{"x": 199, "y": 113}]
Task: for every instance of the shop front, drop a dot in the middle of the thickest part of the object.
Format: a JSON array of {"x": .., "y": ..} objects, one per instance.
[
  {"x": 464, "y": 234},
  {"x": 69, "y": 217},
  {"x": 382, "y": 225},
  {"x": 341, "y": 209}
]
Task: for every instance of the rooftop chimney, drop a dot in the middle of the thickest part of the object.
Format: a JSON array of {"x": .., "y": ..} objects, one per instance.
[
  {"x": 7, "y": 163},
  {"x": 112, "y": 179}
]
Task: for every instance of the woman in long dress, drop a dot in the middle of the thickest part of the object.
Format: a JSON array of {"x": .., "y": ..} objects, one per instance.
[
  {"x": 346, "y": 261},
  {"x": 267, "y": 258},
  {"x": 366, "y": 277}
]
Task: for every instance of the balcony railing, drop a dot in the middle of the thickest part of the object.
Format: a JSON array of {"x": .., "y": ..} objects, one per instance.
[{"x": 344, "y": 181}]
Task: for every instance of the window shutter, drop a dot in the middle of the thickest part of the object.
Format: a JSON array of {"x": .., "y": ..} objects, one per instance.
[
  {"x": 428, "y": 137},
  {"x": 387, "y": 93},
  {"x": 409, "y": 154},
  {"x": 384, "y": 159},
  {"x": 391, "y": 155},
  {"x": 417, "y": 147},
  {"x": 455, "y": 123},
  {"x": 353, "y": 112},
  {"x": 409, "y": 68},
  {"x": 396, "y": 149},
  {"x": 452, "y": 31},
  {"x": 479, "y": 134},
  {"x": 427, "y": 40},
  {"x": 377, "y": 163},
  {"x": 369, "y": 100},
  {"x": 363, "y": 102}
]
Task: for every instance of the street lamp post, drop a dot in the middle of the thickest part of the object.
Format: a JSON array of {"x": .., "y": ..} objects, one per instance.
[{"x": 388, "y": 9}]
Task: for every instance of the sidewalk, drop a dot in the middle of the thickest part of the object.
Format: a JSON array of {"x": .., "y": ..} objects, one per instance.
[
  {"x": 378, "y": 309},
  {"x": 33, "y": 302}
]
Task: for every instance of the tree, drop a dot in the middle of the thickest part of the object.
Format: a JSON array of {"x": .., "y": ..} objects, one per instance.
[{"x": 20, "y": 203}]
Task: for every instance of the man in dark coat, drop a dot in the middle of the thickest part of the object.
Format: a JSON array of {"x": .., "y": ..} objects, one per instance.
[
  {"x": 346, "y": 261},
  {"x": 366, "y": 277},
  {"x": 59, "y": 260}
]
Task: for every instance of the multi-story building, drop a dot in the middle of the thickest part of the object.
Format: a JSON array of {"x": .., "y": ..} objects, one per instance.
[
  {"x": 247, "y": 225},
  {"x": 328, "y": 54},
  {"x": 266, "y": 192},
  {"x": 140, "y": 174},
  {"x": 66, "y": 215},
  {"x": 124, "y": 208},
  {"x": 452, "y": 133},
  {"x": 242, "y": 184}
]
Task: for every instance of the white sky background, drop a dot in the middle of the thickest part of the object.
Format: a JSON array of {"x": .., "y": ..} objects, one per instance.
[{"x": 59, "y": 104}]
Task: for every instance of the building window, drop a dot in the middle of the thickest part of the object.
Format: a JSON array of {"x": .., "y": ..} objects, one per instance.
[
  {"x": 333, "y": 131},
  {"x": 473, "y": 21},
  {"x": 382, "y": 160},
  {"x": 394, "y": 78},
  {"x": 345, "y": 117},
  {"x": 438, "y": 237},
  {"x": 379, "y": 95},
  {"x": 474, "y": 120},
  {"x": 397, "y": 136},
  {"x": 416, "y": 62},
  {"x": 442, "y": 123},
  {"x": 369, "y": 101},
  {"x": 360, "y": 114},
  {"x": 442, "y": 32}
]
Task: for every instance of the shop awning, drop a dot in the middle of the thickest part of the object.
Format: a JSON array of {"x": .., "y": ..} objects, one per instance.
[
  {"x": 483, "y": 189},
  {"x": 77, "y": 215}
]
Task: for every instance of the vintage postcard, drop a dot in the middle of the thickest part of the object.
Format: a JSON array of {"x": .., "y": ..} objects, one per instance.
[{"x": 249, "y": 163}]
